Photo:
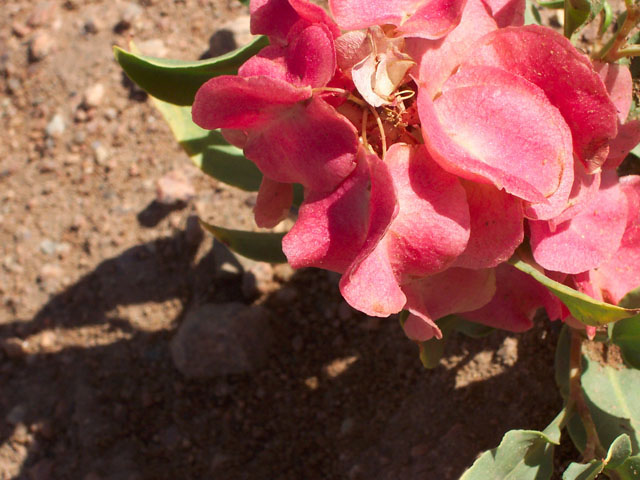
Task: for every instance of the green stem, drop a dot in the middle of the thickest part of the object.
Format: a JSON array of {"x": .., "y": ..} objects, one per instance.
[
  {"x": 593, "y": 448},
  {"x": 611, "y": 51},
  {"x": 630, "y": 51}
]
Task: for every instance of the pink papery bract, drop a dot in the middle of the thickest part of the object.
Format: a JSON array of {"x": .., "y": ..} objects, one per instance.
[
  {"x": 273, "y": 202},
  {"x": 515, "y": 302},
  {"x": 547, "y": 59},
  {"x": 332, "y": 227},
  {"x": 486, "y": 118},
  {"x": 429, "y": 232},
  {"x": 280, "y": 19},
  {"x": 438, "y": 59},
  {"x": 417, "y": 18},
  {"x": 621, "y": 273},
  {"x": 588, "y": 239},
  {"x": 496, "y": 226},
  {"x": 508, "y": 13},
  {"x": 452, "y": 291},
  {"x": 309, "y": 59}
]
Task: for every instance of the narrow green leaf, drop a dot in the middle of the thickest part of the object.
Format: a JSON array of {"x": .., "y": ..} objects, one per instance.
[
  {"x": 177, "y": 81},
  {"x": 521, "y": 455},
  {"x": 619, "y": 451},
  {"x": 583, "y": 471},
  {"x": 261, "y": 246},
  {"x": 579, "y": 12},
  {"x": 208, "y": 150},
  {"x": 582, "y": 307},
  {"x": 472, "y": 329},
  {"x": 531, "y": 14}
]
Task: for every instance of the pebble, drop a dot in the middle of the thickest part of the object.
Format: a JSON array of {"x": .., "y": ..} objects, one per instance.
[
  {"x": 92, "y": 26},
  {"x": 129, "y": 15},
  {"x": 93, "y": 95},
  {"x": 153, "y": 48},
  {"x": 42, "y": 14},
  {"x": 100, "y": 153},
  {"x": 51, "y": 271},
  {"x": 221, "y": 339},
  {"x": 56, "y": 126},
  {"x": 41, "y": 45},
  {"x": 48, "y": 247},
  {"x": 174, "y": 188}
]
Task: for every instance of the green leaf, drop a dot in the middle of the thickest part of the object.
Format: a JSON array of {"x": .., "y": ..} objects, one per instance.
[
  {"x": 611, "y": 393},
  {"x": 626, "y": 334},
  {"x": 177, "y": 81},
  {"x": 472, "y": 329},
  {"x": 578, "y": 12},
  {"x": 619, "y": 451},
  {"x": 521, "y": 455},
  {"x": 583, "y": 471},
  {"x": 209, "y": 150},
  {"x": 261, "y": 246},
  {"x": 531, "y": 14},
  {"x": 584, "y": 308},
  {"x": 629, "y": 470}
]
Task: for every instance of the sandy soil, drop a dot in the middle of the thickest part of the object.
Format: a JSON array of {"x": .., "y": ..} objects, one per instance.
[{"x": 96, "y": 277}]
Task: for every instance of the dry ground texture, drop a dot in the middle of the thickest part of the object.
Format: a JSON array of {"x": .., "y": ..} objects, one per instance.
[{"x": 97, "y": 276}]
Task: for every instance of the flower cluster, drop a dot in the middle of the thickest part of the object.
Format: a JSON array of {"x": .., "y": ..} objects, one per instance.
[{"x": 432, "y": 139}]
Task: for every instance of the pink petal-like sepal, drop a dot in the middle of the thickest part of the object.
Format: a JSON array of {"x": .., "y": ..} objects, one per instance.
[
  {"x": 332, "y": 227},
  {"x": 430, "y": 230},
  {"x": 626, "y": 140},
  {"x": 243, "y": 103},
  {"x": 547, "y": 59},
  {"x": 452, "y": 291},
  {"x": 515, "y": 302},
  {"x": 588, "y": 239},
  {"x": 310, "y": 144},
  {"x": 273, "y": 203},
  {"x": 475, "y": 129},
  {"x": 423, "y": 18},
  {"x": 508, "y": 13},
  {"x": 496, "y": 226},
  {"x": 283, "y": 19},
  {"x": 621, "y": 273}
]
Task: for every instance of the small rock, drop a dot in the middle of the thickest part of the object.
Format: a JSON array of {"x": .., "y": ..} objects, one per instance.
[
  {"x": 20, "y": 30},
  {"x": 42, "y": 14},
  {"x": 41, "y": 45},
  {"x": 56, "y": 126},
  {"x": 100, "y": 153},
  {"x": 51, "y": 271},
  {"x": 153, "y": 48},
  {"x": 221, "y": 339},
  {"x": 16, "y": 415},
  {"x": 92, "y": 26},
  {"x": 93, "y": 95},
  {"x": 174, "y": 188},
  {"x": 48, "y": 247},
  {"x": 129, "y": 15}
]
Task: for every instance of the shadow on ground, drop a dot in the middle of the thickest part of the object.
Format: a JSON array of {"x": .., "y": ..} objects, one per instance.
[{"x": 343, "y": 396}]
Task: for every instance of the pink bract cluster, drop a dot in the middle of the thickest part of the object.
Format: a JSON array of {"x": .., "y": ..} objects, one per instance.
[{"x": 433, "y": 138}]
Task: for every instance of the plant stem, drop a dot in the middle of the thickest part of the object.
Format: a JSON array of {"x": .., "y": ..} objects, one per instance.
[
  {"x": 593, "y": 448},
  {"x": 630, "y": 51},
  {"x": 611, "y": 52}
]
